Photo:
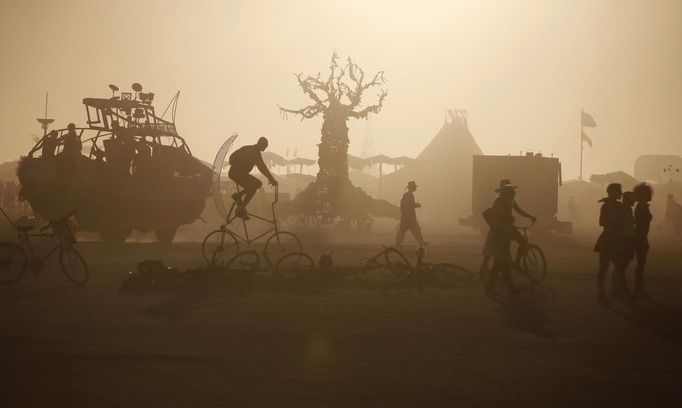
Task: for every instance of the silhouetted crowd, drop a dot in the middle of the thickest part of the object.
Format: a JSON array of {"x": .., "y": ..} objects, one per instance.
[{"x": 624, "y": 238}]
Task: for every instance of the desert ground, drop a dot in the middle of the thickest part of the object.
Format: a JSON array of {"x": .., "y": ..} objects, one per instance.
[{"x": 346, "y": 345}]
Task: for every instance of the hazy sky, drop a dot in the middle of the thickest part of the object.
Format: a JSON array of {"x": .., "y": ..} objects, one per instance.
[{"x": 522, "y": 69}]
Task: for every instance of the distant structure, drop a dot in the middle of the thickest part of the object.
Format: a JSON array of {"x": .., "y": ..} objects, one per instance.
[
  {"x": 654, "y": 168},
  {"x": 442, "y": 170},
  {"x": 538, "y": 179}
]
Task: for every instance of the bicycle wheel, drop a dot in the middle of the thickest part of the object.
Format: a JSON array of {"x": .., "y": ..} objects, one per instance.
[
  {"x": 73, "y": 265},
  {"x": 219, "y": 246},
  {"x": 534, "y": 263},
  {"x": 297, "y": 264},
  {"x": 247, "y": 261},
  {"x": 450, "y": 276},
  {"x": 13, "y": 263},
  {"x": 280, "y": 244},
  {"x": 396, "y": 261}
]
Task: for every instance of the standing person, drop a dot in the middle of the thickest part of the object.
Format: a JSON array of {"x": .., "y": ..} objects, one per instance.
[
  {"x": 627, "y": 247},
  {"x": 608, "y": 244},
  {"x": 498, "y": 242},
  {"x": 643, "y": 194},
  {"x": 408, "y": 217},
  {"x": 505, "y": 208},
  {"x": 72, "y": 141},
  {"x": 49, "y": 144},
  {"x": 242, "y": 161}
]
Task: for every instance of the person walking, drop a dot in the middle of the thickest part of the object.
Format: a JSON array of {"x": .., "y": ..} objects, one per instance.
[{"x": 408, "y": 217}]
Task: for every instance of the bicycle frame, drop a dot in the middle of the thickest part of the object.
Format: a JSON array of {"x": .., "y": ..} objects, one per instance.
[
  {"x": 275, "y": 227},
  {"x": 25, "y": 241}
]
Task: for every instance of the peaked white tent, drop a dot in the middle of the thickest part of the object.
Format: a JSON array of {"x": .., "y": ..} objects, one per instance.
[{"x": 443, "y": 172}]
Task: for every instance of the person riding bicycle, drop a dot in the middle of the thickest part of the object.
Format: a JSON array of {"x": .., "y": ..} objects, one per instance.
[
  {"x": 242, "y": 161},
  {"x": 503, "y": 207},
  {"x": 502, "y": 231}
]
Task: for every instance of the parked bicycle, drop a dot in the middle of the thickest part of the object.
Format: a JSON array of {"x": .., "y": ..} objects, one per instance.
[
  {"x": 17, "y": 258},
  {"x": 443, "y": 274}
]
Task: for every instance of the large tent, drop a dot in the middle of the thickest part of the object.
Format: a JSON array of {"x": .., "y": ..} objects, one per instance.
[{"x": 442, "y": 171}]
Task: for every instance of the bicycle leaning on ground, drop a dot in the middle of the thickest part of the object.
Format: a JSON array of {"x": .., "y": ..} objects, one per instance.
[
  {"x": 443, "y": 274},
  {"x": 17, "y": 257},
  {"x": 530, "y": 261}
]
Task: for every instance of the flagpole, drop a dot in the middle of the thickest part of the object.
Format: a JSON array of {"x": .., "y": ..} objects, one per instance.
[{"x": 581, "y": 145}]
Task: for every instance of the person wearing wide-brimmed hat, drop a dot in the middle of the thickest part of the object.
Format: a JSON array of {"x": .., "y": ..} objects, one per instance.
[
  {"x": 408, "y": 217},
  {"x": 500, "y": 218}
]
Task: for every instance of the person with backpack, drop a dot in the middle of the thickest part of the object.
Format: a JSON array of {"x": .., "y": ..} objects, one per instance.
[{"x": 502, "y": 232}]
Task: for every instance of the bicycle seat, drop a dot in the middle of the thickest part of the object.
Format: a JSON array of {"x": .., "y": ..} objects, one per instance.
[{"x": 25, "y": 228}]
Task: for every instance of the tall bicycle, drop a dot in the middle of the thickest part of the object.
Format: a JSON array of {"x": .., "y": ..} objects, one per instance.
[
  {"x": 221, "y": 245},
  {"x": 17, "y": 258}
]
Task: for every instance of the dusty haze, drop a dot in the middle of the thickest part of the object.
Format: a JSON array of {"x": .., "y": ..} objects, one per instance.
[{"x": 522, "y": 69}]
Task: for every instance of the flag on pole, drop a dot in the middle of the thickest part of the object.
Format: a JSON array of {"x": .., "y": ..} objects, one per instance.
[
  {"x": 587, "y": 120},
  {"x": 586, "y": 139}
]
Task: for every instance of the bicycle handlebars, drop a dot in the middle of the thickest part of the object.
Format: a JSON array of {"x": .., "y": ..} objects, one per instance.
[{"x": 525, "y": 227}]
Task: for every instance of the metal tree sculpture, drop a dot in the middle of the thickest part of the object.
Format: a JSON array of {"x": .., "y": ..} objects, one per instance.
[{"x": 337, "y": 98}]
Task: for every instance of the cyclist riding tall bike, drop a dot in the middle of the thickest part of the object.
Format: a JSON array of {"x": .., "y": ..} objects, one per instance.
[
  {"x": 223, "y": 244},
  {"x": 242, "y": 161}
]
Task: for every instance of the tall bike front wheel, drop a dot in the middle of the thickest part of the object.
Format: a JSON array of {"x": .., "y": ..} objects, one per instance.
[
  {"x": 280, "y": 244},
  {"x": 219, "y": 246},
  {"x": 74, "y": 266},
  {"x": 13, "y": 263}
]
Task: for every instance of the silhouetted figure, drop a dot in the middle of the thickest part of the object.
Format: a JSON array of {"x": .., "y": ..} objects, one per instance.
[
  {"x": 502, "y": 231},
  {"x": 408, "y": 217},
  {"x": 611, "y": 218},
  {"x": 503, "y": 217},
  {"x": 2, "y": 192},
  {"x": 643, "y": 194},
  {"x": 627, "y": 249},
  {"x": 49, "y": 144},
  {"x": 143, "y": 158},
  {"x": 72, "y": 141},
  {"x": 242, "y": 161}
]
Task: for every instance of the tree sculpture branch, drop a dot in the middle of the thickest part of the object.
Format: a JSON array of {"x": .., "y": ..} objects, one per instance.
[{"x": 342, "y": 90}]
